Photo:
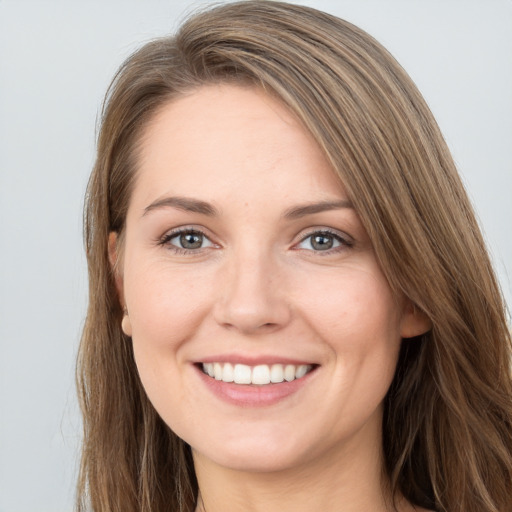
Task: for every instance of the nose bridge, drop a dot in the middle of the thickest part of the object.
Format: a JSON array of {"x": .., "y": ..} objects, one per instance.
[{"x": 252, "y": 297}]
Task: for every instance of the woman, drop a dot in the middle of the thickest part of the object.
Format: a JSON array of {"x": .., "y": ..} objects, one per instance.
[{"x": 291, "y": 305}]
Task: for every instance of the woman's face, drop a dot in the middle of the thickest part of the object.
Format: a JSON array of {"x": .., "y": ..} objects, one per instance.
[{"x": 243, "y": 258}]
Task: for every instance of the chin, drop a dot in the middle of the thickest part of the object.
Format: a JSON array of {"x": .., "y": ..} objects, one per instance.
[
  {"x": 266, "y": 451},
  {"x": 258, "y": 461}
]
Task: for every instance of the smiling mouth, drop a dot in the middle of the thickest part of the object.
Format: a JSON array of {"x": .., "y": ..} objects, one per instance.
[{"x": 260, "y": 375}]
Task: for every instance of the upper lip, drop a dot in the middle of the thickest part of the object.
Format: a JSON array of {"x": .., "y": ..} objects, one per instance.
[{"x": 253, "y": 360}]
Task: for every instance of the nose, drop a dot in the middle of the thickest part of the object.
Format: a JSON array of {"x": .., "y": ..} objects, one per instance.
[{"x": 252, "y": 295}]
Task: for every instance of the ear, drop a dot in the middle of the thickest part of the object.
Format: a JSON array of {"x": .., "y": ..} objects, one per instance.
[
  {"x": 414, "y": 322},
  {"x": 114, "y": 259}
]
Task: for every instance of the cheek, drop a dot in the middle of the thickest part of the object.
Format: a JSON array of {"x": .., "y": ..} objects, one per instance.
[
  {"x": 165, "y": 304},
  {"x": 359, "y": 320},
  {"x": 354, "y": 309},
  {"x": 166, "y": 308}
]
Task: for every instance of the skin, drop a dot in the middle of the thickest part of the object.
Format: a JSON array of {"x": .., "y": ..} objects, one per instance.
[{"x": 257, "y": 287}]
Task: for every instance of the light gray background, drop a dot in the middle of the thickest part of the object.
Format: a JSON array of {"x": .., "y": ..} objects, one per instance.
[{"x": 56, "y": 60}]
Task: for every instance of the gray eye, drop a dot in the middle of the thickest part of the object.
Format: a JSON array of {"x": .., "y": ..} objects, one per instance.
[
  {"x": 188, "y": 240},
  {"x": 191, "y": 240},
  {"x": 321, "y": 241}
]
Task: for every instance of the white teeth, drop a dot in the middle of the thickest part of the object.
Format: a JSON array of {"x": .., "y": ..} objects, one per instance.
[
  {"x": 259, "y": 375},
  {"x": 208, "y": 368},
  {"x": 289, "y": 372},
  {"x": 242, "y": 374},
  {"x": 276, "y": 373},
  {"x": 301, "y": 371},
  {"x": 228, "y": 373}
]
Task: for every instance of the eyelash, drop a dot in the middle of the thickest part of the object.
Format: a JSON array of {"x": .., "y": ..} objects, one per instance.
[
  {"x": 344, "y": 243},
  {"x": 166, "y": 241}
]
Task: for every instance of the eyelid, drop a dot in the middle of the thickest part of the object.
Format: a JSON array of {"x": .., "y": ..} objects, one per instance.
[
  {"x": 165, "y": 239},
  {"x": 345, "y": 240}
]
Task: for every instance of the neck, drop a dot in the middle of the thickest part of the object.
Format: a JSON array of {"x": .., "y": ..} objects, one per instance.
[{"x": 347, "y": 479}]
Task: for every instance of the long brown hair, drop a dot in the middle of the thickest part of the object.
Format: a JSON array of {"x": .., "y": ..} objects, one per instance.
[{"x": 447, "y": 426}]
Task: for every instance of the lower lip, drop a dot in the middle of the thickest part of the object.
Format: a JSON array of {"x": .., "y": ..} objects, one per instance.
[{"x": 252, "y": 395}]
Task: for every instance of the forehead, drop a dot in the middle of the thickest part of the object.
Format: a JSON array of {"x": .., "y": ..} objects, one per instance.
[{"x": 224, "y": 142}]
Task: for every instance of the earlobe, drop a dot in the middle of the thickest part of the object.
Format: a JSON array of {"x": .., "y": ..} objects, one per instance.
[
  {"x": 415, "y": 322},
  {"x": 114, "y": 259},
  {"x": 126, "y": 325}
]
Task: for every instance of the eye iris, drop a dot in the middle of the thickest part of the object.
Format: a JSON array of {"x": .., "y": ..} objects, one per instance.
[
  {"x": 191, "y": 240},
  {"x": 322, "y": 242}
]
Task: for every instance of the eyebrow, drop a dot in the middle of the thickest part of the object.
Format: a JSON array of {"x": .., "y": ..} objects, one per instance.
[
  {"x": 297, "y": 212},
  {"x": 183, "y": 203},
  {"x": 204, "y": 208}
]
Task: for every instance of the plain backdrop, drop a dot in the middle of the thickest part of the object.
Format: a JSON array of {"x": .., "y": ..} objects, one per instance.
[{"x": 56, "y": 61}]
